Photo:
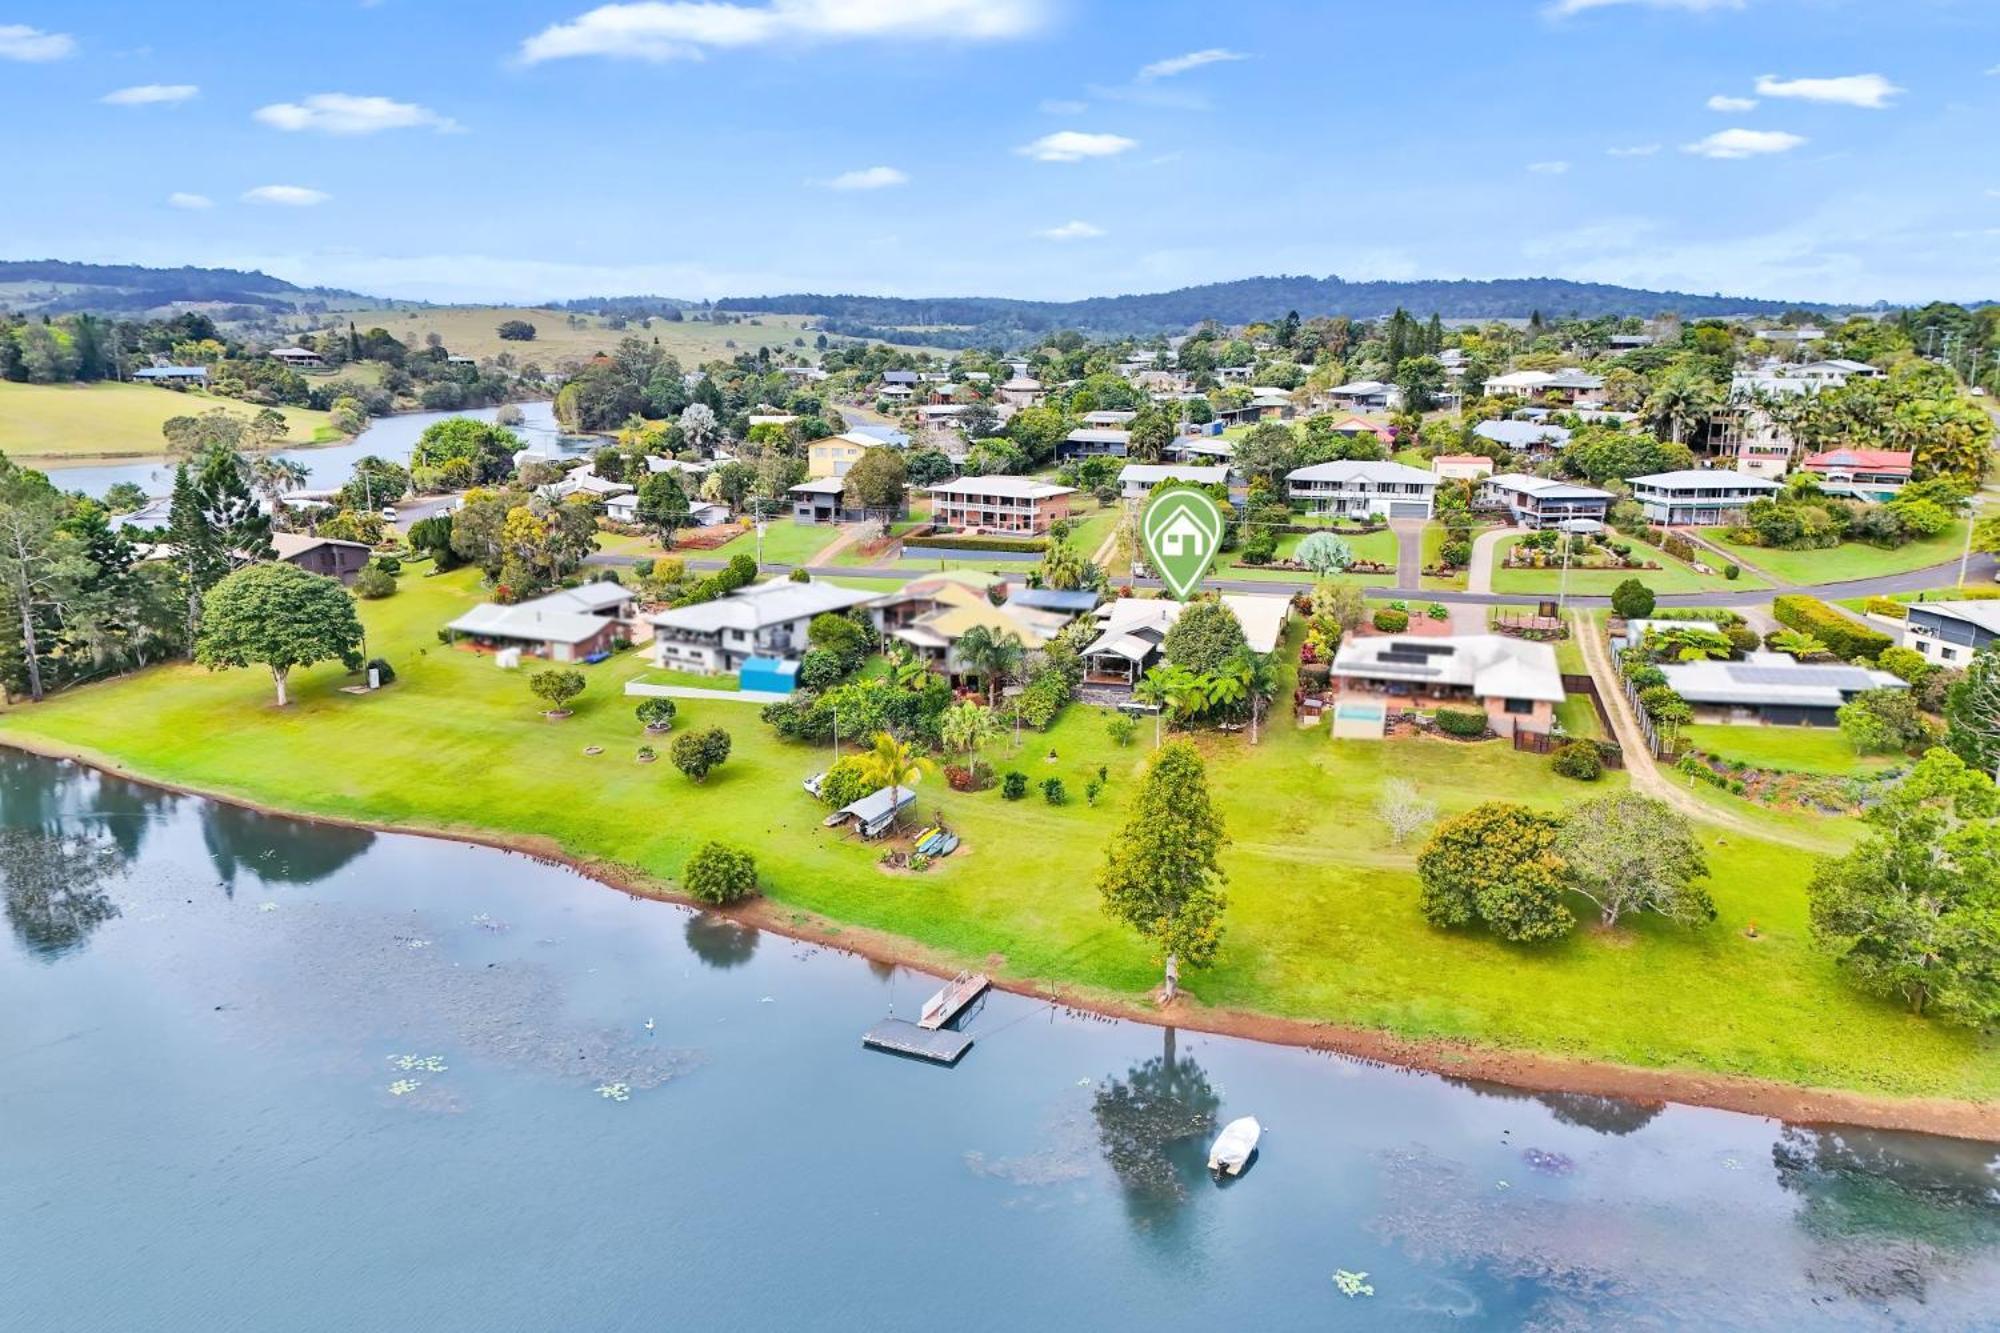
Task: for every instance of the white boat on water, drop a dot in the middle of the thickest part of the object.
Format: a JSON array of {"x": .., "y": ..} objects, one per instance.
[{"x": 1233, "y": 1146}]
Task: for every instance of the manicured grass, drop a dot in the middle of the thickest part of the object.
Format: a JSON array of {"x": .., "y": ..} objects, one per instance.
[
  {"x": 1373, "y": 546},
  {"x": 1671, "y": 577},
  {"x": 1791, "y": 749},
  {"x": 785, "y": 543},
  {"x": 1849, "y": 560},
  {"x": 1434, "y": 538},
  {"x": 86, "y": 423},
  {"x": 1578, "y": 716},
  {"x": 1973, "y": 590},
  {"x": 1322, "y": 920}
]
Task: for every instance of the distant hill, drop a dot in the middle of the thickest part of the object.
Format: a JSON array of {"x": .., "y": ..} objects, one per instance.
[
  {"x": 56, "y": 286},
  {"x": 977, "y": 321}
]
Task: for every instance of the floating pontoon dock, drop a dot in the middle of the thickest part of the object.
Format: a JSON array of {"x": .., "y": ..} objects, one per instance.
[{"x": 931, "y": 1037}]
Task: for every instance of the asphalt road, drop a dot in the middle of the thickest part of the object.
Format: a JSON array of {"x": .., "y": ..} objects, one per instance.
[{"x": 1982, "y": 570}]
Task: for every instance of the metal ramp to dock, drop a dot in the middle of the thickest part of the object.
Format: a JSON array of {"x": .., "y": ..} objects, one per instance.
[{"x": 932, "y": 1037}]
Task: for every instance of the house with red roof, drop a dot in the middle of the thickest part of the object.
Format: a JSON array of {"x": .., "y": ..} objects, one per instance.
[{"x": 1865, "y": 474}]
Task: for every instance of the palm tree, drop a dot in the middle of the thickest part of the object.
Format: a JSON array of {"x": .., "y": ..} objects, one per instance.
[
  {"x": 1246, "y": 675},
  {"x": 271, "y": 476},
  {"x": 893, "y": 764},
  {"x": 993, "y": 657},
  {"x": 1683, "y": 400}
]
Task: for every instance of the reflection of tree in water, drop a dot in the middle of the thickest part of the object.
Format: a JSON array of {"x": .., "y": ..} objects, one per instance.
[
  {"x": 720, "y": 942},
  {"x": 53, "y": 886},
  {"x": 1892, "y": 1211},
  {"x": 1154, "y": 1127},
  {"x": 1605, "y": 1115},
  {"x": 33, "y": 789},
  {"x": 126, "y": 809},
  {"x": 274, "y": 848}
]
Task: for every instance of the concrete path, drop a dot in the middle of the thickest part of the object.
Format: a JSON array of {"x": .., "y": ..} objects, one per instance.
[
  {"x": 1647, "y": 779},
  {"x": 640, "y": 689},
  {"x": 1479, "y": 573},
  {"x": 1409, "y": 552},
  {"x": 850, "y": 533}
]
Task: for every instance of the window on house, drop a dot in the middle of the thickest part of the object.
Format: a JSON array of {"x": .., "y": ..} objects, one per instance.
[{"x": 1520, "y": 707}]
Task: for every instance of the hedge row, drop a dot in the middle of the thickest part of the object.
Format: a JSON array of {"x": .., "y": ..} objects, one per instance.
[
  {"x": 1810, "y": 615},
  {"x": 976, "y": 543}
]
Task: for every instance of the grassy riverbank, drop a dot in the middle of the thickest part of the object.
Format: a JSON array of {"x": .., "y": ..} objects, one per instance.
[
  {"x": 43, "y": 425},
  {"x": 1322, "y": 920}
]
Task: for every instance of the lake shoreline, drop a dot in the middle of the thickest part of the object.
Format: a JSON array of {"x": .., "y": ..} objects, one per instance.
[{"x": 1528, "y": 1070}]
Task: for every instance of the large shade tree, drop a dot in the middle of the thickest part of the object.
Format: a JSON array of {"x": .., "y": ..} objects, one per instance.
[
  {"x": 278, "y": 616},
  {"x": 1914, "y": 911}
]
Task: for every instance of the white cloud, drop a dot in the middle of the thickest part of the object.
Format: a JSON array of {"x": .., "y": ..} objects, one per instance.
[
  {"x": 182, "y": 199},
  {"x": 688, "y": 29},
  {"x": 18, "y": 41},
  {"x": 1064, "y": 106},
  {"x": 151, "y": 94},
  {"x": 1166, "y": 69},
  {"x": 1564, "y": 8},
  {"x": 1071, "y": 231},
  {"x": 287, "y": 196},
  {"x": 346, "y": 114},
  {"x": 1548, "y": 168},
  {"x": 1870, "y": 91},
  {"x": 1743, "y": 143},
  {"x": 868, "y": 178},
  {"x": 1075, "y": 146},
  {"x": 1724, "y": 102},
  {"x": 1634, "y": 150}
]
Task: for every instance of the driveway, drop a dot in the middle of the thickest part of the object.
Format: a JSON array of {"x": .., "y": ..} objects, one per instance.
[
  {"x": 1645, "y": 774},
  {"x": 1479, "y": 573},
  {"x": 1409, "y": 552}
]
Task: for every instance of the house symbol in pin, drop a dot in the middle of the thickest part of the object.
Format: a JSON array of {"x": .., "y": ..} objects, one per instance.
[{"x": 1182, "y": 536}]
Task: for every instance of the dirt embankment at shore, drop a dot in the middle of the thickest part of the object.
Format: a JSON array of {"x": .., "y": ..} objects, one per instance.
[{"x": 1529, "y": 1070}]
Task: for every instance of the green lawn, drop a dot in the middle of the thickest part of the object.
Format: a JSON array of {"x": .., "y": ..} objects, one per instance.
[
  {"x": 1790, "y": 749},
  {"x": 1578, "y": 716},
  {"x": 785, "y": 543},
  {"x": 1671, "y": 577},
  {"x": 1373, "y": 546},
  {"x": 42, "y": 424},
  {"x": 1849, "y": 560},
  {"x": 688, "y": 679},
  {"x": 1322, "y": 919}
]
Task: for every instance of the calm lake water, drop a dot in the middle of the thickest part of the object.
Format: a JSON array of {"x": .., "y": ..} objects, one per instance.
[
  {"x": 386, "y": 437},
  {"x": 259, "y": 1075}
]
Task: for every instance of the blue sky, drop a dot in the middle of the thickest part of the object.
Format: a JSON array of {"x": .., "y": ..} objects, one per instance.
[{"x": 513, "y": 150}]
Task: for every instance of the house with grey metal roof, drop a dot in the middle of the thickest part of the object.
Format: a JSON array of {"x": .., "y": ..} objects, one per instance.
[
  {"x": 1774, "y": 688},
  {"x": 1094, "y": 442},
  {"x": 1355, "y": 488},
  {"x": 1515, "y": 681},
  {"x": 567, "y": 625},
  {"x": 1138, "y": 479},
  {"x": 1949, "y": 633},
  {"x": 1703, "y": 496},
  {"x": 1540, "y": 502},
  {"x": 763, "y": 620},
  {"x": 1523, "y": 437}
]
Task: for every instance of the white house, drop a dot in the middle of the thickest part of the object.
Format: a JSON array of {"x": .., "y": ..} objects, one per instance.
[
  {"x": 762, "y": 620},
  {"x": 1704, "y": 496},
  {"x": 1138, "y": 479},
  {"x": 1352, "y": 488}
]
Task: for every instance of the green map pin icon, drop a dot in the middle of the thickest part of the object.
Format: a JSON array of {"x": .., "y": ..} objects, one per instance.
[{"x": 1182, "y": 531}]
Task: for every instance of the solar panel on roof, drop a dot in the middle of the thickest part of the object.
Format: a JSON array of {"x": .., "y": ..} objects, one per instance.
[{"x": 1834, "y": 678}]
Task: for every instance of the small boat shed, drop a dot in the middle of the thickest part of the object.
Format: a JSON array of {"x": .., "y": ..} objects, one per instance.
[{"x": 873, "y": 814}]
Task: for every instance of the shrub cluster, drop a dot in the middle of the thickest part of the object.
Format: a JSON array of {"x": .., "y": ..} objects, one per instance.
[
  {"x": 1809, "y": 615},
  {"x": 976, "y": 543},
  {"x": 1466, "y": 722},
  {"x": 1579, "y": 759},
  {"x": 1391, "y": 621}
]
